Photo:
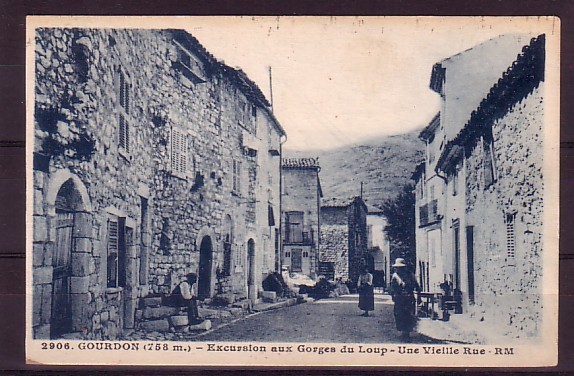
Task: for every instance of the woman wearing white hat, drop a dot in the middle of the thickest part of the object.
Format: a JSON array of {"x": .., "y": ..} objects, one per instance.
[{"x": 403, "y": 285}]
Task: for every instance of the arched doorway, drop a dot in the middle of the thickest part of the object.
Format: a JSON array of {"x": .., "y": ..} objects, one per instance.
[
  {"x": 251, "y": 290},
  {"x": 205, "y": 265},
  {"x": 68, "y": 202}
]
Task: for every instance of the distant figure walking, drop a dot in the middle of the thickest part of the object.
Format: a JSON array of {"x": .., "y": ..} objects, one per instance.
[
  {"x": 403, "y": 285},
  {"x": 366, "y": 292},
  {"x": 186, "y": 296}
]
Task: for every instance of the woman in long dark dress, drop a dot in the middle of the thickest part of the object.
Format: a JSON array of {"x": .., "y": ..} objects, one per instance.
[
  {"x": 403, "y": 285},
  {"x": 366, "y": 292}
]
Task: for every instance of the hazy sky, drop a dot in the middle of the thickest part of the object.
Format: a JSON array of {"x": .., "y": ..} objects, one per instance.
[{"x": 342, "y": 80}]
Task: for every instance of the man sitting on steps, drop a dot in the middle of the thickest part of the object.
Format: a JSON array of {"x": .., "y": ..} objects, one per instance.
[{"x": 185, "y": 295}]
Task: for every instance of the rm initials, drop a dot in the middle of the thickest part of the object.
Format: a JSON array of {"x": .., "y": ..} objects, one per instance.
[{"x": 504, "y": 351}]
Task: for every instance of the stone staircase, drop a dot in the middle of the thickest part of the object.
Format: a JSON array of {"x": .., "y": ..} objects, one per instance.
[{"x": 154, "y": 316}]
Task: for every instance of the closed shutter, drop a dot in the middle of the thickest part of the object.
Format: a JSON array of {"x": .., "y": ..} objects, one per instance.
[
  {"x": 113, "y": 242},
  {"x": 124, "y": 94},
  {"x": 179, "y": 158}
]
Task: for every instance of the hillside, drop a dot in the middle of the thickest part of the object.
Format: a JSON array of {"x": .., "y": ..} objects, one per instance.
[{"x": 384, "y": 165}]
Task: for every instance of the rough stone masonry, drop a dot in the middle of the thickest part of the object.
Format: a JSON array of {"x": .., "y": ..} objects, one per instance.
[{"x": 151, "y": 160}]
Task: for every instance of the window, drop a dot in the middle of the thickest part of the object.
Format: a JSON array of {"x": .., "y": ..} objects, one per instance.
[
  {"x": 305, "y": 254},
  {"x": 227, "y": 244},
  {"x": 510, "y": 236},
  {"x": 287, "y": 254},
  {"x": 112, "y": 253},
  {"x": 430, "y": 149},
  {"x": 489, "y": 164},
  {"x": 243, "y": 113},
  {"x": 237, "y": 177},
  {"x": 119, "y": 238},
  {"x": 227, "y": 255},
  {"x": 294, "y": 227},
  {"x": 124, "y": 110},
  {"x": 422, "y": 187},
  {"x": 179, "y": 153},
  {"x": 455, "y": 182}
]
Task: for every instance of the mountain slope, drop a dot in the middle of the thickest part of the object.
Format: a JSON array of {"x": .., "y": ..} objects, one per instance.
[{"x": 384, "y": 166}]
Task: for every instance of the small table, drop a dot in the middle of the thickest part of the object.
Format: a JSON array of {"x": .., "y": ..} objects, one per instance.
[{"x": 430, "y": 298}]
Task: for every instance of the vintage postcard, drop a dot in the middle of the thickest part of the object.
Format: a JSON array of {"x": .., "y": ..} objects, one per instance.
[{"x": 291, "y": 191}]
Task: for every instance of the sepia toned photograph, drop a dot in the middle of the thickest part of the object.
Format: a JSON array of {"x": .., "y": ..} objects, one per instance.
[{"x": 275, "y": 191}]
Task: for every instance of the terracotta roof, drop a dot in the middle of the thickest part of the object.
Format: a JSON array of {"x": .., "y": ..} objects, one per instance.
[
  {"x": 519, "y": 80},
  {"x": 428, "y": 132},
  {"x": 249, "y": 88},
  {"x": 301, "y": 163},
  {"x": 337, "y": 202},
  {"x": 468, "y": 76}
]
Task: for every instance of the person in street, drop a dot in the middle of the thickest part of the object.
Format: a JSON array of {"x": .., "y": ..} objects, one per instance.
[
  {"x": 341, "y": 287},
  {"x": 366, "y": 292},
  {"x": 186, "y": 295},
  {"x": 403, "y": 286}
]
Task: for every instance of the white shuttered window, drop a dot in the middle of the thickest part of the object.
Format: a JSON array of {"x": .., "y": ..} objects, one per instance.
[{"x": 179, "y": 152}]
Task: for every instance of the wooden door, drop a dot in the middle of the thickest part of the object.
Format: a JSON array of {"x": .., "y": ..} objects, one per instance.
[
  {"x": 61, "y": 320},
  {"x": 205, "y": 264},
  {"x": 470, "y": 262},
  {"x": 296, "y": 260}
]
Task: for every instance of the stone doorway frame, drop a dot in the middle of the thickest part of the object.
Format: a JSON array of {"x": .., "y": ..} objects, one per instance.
[
  {"x": 209, "y": 233},
  {"x": 81, "y": 253}
]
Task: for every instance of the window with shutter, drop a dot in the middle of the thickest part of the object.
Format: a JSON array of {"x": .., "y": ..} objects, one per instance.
[
  {"x": 112, "y": 253},
  {"x": 119, "y": 238},
  {"x": 237, "y": 177},
  {"x": 179, "y": 154},
  {"x": 124, "y": 111},
  {"x": 489, "y": 164}
]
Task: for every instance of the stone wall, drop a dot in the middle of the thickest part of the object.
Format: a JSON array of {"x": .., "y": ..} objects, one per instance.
[
  {"x": 357, "y": 219},
  {"x": 108, "y": 106},
  {"x": 334, "y": 247},
  {"x": 508, "y": 289}
]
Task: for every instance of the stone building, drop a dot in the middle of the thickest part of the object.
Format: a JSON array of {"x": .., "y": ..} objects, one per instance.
[
  {"x": 151, "y": 160},
  {"x": 300, "y": 204},
  {"x": 489, "y": 211},
  {"x": 343, "y": 246}
]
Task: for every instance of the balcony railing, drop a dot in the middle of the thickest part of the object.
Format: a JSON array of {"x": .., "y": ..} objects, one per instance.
[
  {"x": 301, "y": 237},
  {"x": 428, "y": 213}
]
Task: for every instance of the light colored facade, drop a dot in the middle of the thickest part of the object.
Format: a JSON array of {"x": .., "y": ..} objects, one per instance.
[
  {"x": 492, "y": 189},
  {"x": 378, "y": 246},
  {"x": 478, "y": 68},
  {"x": 151, "y": 160},
  {"x": 300, "y": 215}
]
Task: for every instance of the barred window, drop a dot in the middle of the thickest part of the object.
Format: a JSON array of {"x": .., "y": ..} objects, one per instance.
[{"x": 510, "y": 236}]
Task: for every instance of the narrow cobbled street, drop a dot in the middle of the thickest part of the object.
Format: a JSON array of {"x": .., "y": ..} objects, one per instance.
[{"x": 335, "y": 320}]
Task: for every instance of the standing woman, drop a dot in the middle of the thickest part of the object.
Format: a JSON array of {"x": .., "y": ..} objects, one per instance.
[
  {"x": 366, "y": 293},
  {"x": 403, "y": 285}
]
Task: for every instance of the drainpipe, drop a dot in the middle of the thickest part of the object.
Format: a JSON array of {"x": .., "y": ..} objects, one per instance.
[{"x": 280, "y": 240}]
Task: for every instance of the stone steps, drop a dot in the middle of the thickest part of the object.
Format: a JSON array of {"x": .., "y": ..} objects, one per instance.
[{"x": 153, "y": 317}]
